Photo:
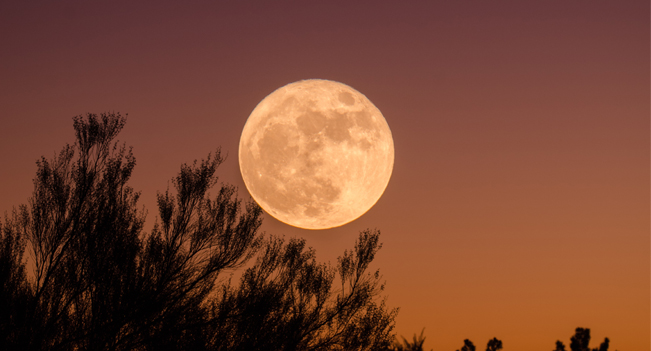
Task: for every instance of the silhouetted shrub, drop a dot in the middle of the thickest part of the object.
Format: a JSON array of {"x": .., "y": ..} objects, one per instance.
[
  {"x": 406, "y": 345},
  {"x": 580, "y": 341},
  {"x": 99, "y": 282},
  {"x": 494, "y": 344},
  {"x": 467, "y": 346}
]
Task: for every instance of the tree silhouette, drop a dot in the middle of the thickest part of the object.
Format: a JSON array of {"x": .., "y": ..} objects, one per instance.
[
  {"x": 416, "y": 345},
  {"x": 286, "y": 301},
  {"x": 559, "y": 346},
  {"x": 467, "y": 346},
  {"x": 98, "y": 281},
  {"x": 494, "y": 344},
  {"x": 14, "y": 290},
  {"x": 580, "y": 341}
]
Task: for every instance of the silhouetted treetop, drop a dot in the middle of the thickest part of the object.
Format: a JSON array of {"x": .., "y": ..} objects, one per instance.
[
  {"x": 559, "y": 346},
  {"x": 580, "y": 341},
  {"x": 494, "y": 344},
  {"x": 467, "y": 346},
  {"x": 98, "y": 281},
  {"x": 406, "y": 345}
]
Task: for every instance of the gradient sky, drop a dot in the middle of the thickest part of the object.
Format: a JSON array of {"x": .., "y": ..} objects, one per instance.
[{"x": 518, "y": 207}]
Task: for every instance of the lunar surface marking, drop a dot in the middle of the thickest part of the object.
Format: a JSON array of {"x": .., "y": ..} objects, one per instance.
[{"x": 316, "y": 154}]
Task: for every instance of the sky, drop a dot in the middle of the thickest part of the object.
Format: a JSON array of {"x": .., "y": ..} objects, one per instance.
[{"x": 518, "y": 207}]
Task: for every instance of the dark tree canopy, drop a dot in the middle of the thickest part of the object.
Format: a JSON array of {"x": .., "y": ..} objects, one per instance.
[
  {"x": 288, "y": 301},
  {"x": 468, "y": 346},
  {"x": 559, "y": 346},
  {"x": 95, "y": 280},
  {"x": 494, "y": 344},
  {"x": 580, "y": 342}
]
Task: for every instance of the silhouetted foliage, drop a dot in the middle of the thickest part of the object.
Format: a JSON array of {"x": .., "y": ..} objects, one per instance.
[
  {"x": 494, "y": 344},
  {"x": 99, "y": 282},
  {"x": 287, "y": 301},
  {"x": 467, "y": 346},
  {"x": 406, "y": 345},
  {"x": 559, "y": 346},
  {"x": 580, "y": 341},
  {"x": 14, "y": 291}
]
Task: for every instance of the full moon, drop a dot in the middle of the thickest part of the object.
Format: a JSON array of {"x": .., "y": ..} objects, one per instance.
[{"x": 316, "y": 154}]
